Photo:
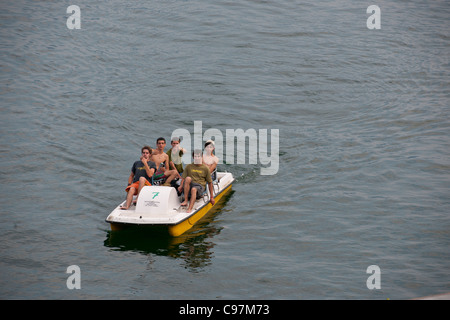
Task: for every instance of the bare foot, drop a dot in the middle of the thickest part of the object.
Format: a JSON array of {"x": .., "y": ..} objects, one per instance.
[{"x": 191, "y": 206}]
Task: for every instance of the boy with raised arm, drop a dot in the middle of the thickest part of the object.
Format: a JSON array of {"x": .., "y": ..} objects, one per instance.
[{"x": 141, "y": 175}]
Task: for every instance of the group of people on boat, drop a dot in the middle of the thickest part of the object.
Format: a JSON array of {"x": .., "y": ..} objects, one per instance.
[{"x": 156, "y": 167}]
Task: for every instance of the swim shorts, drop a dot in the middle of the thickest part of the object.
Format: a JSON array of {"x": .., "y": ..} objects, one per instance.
[
  {"x": 199, "y": 187},
  {"x": 135, "y": 185}
]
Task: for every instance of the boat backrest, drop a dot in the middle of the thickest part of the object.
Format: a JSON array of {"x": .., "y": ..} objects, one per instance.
[{"x": 157, "y": 200}]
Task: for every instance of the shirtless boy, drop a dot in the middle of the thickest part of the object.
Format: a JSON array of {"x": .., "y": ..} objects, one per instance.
[{"x": 161, "y": 159}]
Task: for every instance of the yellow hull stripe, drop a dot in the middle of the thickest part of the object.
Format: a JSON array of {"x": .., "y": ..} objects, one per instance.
[
  {"x": 187, "y": 224},
  {"x": 182, "y": 227}
]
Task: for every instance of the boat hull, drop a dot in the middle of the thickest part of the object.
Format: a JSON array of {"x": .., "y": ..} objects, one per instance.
[
  {"x": 162, "y": 215},
  {"x": 182, "y": 227}
]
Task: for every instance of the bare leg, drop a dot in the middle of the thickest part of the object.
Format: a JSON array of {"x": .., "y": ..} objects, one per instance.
[
  {"x": 171, "y": 174},
  {"x": 129, "y": 198},
  {"x": 193, "y": 199},
  {"x": 187, "y": 185},
  {"x": 142, "y": 182}
]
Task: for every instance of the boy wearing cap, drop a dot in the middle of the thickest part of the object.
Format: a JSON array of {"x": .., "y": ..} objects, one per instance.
[{"x": 175, "y": 155}]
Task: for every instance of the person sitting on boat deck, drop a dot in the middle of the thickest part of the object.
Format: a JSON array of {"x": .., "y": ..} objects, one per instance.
[
  {"x": 161, "y": 160},
  {"x": 210, "y": 159},
  {"x": 195, "y": 177},
  {"x": 175, "y": 156},
  {"x": 140, "y": 176}
]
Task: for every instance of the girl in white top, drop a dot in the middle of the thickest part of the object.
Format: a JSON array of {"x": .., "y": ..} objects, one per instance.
[{"x": 209, "y": 159}]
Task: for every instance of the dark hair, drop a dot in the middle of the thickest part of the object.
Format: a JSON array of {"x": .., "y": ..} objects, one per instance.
[
  {"x": 146, "y": 147},
  {"x": 208, "y": 143},
  {"x": 159, "y": 139},
  {"x": 196, "y": 151}
]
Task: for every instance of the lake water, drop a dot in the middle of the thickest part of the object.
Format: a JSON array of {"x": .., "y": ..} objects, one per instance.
[{"x": 364, "y": 166}]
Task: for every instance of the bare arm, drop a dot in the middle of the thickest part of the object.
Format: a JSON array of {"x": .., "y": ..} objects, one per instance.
[
  {"x": 166, "y": 163},
  {"x": 211, "y": 192},
  {"x": 130, "y": 178},
  {"x": 148, "y": 170},
  {"x": 212, "y": 167}
]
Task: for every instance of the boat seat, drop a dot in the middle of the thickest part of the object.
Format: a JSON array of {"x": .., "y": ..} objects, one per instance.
[
  {"x": 214, "y": 175},
  {"x": 157, "y": 182}
]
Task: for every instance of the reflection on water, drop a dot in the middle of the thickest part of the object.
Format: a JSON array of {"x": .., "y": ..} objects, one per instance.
[{"x": 194, "y": 246}]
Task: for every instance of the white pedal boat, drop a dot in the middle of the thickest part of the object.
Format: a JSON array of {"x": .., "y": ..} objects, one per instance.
[{"x": 160, "y": 206}]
